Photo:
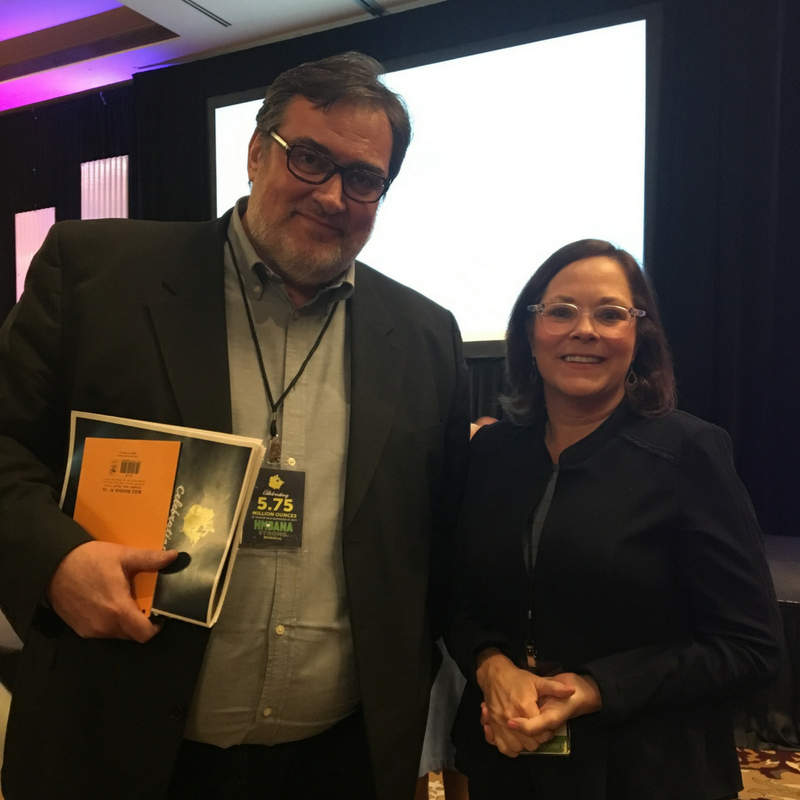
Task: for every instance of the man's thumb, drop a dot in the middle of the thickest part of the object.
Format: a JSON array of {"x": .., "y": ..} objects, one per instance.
[{"x": 139, "y": 560}]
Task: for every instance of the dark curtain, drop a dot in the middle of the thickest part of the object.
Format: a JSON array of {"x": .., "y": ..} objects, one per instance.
[
  {"x": 781, "y": 379},
  {"x": 485, "y": 386},
  {"x": 41, "y": 151},
  {"x": 726, "y": 231}
]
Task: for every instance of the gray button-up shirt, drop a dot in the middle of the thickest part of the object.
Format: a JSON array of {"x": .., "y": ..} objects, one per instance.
[{"x": 280, "y": 664}]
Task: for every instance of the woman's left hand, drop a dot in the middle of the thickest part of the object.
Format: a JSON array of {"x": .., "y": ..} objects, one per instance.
[{"x": 554, "y": 711}]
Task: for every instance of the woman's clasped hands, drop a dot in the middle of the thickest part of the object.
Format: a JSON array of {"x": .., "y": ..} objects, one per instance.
[{"x": 521, "y": 710}]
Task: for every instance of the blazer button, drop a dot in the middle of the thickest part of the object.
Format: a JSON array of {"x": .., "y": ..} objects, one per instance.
[{"x": 177, "y": 712}]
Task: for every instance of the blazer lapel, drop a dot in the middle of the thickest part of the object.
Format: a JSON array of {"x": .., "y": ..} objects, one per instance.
[
  {"x": 189, "y": 322},
  {"x": 377, "y": 366}
]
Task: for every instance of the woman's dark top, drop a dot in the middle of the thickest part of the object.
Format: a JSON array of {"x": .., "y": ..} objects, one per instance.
[{"x": 650, "y": 576}]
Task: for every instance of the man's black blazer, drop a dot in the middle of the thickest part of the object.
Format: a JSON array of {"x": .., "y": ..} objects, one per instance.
[{"x": 128, "y": 318}]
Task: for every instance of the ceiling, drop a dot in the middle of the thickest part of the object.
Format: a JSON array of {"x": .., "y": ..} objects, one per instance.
[{"x": 53, "y": 48}]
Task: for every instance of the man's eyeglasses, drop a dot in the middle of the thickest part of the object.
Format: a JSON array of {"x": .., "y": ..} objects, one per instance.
[
  {"x": 311, "y": 166},
  {"x": 609, "y": 321}
]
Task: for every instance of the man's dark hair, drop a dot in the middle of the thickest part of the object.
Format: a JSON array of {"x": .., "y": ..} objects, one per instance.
[
  {"x": 654, "y": 393},
  {"x": 350, "y": 77}
]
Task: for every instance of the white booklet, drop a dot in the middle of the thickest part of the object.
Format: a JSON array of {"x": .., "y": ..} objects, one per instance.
[{"x": 151, "y": 485}]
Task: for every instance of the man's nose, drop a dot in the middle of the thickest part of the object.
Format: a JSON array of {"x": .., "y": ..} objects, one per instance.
[{"x": 331, "y": 194}]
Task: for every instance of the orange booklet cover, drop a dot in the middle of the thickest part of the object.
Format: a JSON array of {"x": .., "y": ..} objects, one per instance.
[{"x": 124, "y": 496}]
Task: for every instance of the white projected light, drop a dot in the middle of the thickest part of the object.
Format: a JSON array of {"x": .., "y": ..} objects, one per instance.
[
  {"x": 516, "y": 152},
  {"x": 233, "y": 127}
]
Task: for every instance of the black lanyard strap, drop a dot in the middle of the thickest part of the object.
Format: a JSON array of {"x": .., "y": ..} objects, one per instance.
[
  {"x": 532, "y": 548},
  {"x": 275, "y": 406}
]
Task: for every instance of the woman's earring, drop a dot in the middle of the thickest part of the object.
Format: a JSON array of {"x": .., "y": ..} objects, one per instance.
[
  {"x": 631, "y": 380},
  {"x": 534, "y": 370}
]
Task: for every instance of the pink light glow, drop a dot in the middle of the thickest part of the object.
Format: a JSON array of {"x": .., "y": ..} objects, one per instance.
[
  {"x": 26, "y": 16},
  {"x": 82, "y": 77}
]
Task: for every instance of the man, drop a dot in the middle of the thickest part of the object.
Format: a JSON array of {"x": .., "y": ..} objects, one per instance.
[{"x": 314, "y": 682}]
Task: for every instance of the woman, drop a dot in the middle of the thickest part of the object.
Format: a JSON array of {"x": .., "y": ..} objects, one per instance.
[{"x": 607, "y": 539}]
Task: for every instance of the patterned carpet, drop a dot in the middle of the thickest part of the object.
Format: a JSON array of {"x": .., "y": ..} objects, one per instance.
[
  {"x": 766, "y": 774},
  {"x": 770, "y": 774},
  {"x": 435, "y": 789}
]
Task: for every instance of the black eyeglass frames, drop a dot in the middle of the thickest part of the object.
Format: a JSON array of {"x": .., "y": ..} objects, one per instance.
[{"x": 311, "y": 166}]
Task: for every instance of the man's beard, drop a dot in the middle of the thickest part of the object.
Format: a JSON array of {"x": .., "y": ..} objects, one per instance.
[{"x": 306, "y": 263}]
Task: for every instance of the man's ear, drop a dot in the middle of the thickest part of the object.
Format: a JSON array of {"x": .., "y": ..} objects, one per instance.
[{"x": 254, "y": 152}]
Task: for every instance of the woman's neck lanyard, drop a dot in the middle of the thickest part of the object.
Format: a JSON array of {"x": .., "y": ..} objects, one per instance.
[{"x": 274, "y": 447}]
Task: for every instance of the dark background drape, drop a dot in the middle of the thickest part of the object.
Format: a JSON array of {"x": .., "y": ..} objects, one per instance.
[
  {"x": 724, "y": 216},
  {"x": 41, "y": 151}
]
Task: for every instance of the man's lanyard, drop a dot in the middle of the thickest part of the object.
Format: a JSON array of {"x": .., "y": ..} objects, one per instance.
[{"x": 274, "y": 448}]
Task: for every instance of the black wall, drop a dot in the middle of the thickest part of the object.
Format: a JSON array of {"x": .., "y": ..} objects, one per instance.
[{"x": 41, "y": 150}]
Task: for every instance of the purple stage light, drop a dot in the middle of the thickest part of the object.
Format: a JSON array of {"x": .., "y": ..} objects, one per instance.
[
  {"x": 26, "y": 16},
  {"x": 82, "y": 77}
]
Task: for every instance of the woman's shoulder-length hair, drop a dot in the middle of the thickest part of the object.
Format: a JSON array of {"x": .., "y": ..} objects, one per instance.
[{"x": 654, "y": 392}]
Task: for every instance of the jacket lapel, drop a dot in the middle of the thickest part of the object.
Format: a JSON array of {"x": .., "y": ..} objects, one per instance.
[
  {"x": 377, "y": 366},
  {"x": 189, "y": 323}
]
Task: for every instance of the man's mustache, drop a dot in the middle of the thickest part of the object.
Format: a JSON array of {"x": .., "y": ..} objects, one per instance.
[{"x": 312, "y": 208}]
